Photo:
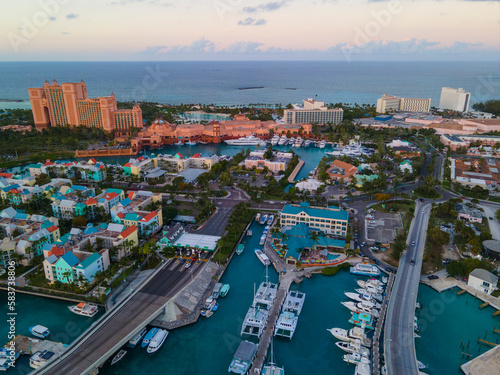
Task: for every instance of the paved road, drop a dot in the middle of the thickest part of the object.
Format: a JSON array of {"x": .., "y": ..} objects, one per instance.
[
  {"x": 121, "y": 324},
  {"x": 399, "y": 343}
]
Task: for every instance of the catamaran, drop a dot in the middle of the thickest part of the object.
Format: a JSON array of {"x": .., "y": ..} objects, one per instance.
[
  {"x": 271, "y": 368},
  {"x": 157, "y": 341},
  {"x": 136, "y": 338},
  {"x": 266, "y": 293},
  {"x": 243, "y": 358},
  {"x": 255, "y": 321},
  {"x": 286, "y": 324},
  {"x": 85, "y": 309}
]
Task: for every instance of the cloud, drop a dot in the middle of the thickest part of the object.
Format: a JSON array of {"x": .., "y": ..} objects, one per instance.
[
  {"x": 151, "y": 50},
  {"x": 152, "y": 2},
  {"x": 72, "y": 16},
  {"x": 267, "y": 7},
  {"x": 52, "y": 18},
  {"x": 250, "y": 21},
  {"x": 64, "y": 33}
]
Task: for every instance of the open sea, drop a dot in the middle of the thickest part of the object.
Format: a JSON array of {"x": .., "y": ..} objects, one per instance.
[{"x": 241, "y": 83}]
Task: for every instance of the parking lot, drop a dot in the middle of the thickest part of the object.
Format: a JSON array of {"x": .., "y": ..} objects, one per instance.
[{"x": 382, "y": 228}]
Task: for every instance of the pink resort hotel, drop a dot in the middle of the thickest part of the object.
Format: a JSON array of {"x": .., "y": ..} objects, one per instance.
[{"x": 68, "y": 104}]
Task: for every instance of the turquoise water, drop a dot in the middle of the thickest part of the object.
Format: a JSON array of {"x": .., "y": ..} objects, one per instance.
[
  {"x": 204, "y": 117},
  {"x": 208, "y": 346},
  {"x": 446, "y": 321},
  {"x": 51, "y": 313}
]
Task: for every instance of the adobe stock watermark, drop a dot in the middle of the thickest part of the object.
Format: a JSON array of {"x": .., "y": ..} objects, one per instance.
[
  {"x": 30, "y": 26},
  {"x": 153, "y": 78},
  {"x": 372, "y": 29},
  {"x": 488, "y": 88}
]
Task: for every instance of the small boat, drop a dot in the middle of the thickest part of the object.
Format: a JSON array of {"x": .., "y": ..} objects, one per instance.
[
  {"x": 149, "y": 336},
  {"x": 321, "y": 144},
  {"x": 118, "y": 356},
  {"x": 85, "y": 309},
  {"x": 216, "y": 306},
  {"x": 266, "y": 229},
  {"x": 243, "y": 358},
  {"x": 307, "y": 143},
  {"x": 224, "y": 290},
  {"x": 207, "y": 313},
  {"x": 262, "y": 257},
  {"x": 7, "y": 358},
  {"x": 385, "y": 279},
  {"x": 157, "y": 341},
  {"x": 180, "y": 143},
  {"x": 365, "y": 298},
  {"x": 263, "y": 239},
  {"x": 421, "y": 366},
  {"x": 283, "y": 140},
  {"x": 136, "y": 338},
  {"x": 190, "y": 143},
  {"x": 257, "y": 217},
  {"x": 249, "y": 233},
  {"x": 39, "y": 331},
  {"x": 40, "y": 359},
  {"x": 356, "y": 358},
  {"x": 270, "y": 220},
  {"x": 362, "y": 320},
  {"x": 240, "y": 248},
  {"x": 353, "y": 347},
  {"x": 263, "y": 219},
  {"x": 216, "y": 291}
]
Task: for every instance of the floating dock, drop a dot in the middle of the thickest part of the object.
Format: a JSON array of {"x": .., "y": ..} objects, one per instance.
[{"x": 28, "y": 346}]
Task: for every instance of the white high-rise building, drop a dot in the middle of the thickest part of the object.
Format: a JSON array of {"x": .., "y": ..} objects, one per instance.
[
  {"x": 454, "y": 99},
  {"x": 313, "y": 111}
]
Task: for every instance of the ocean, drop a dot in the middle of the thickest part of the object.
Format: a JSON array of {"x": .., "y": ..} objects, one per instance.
[{"x": 241, "y": 83}]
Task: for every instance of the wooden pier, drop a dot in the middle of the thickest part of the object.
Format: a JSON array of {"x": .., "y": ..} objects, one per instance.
[
  {"x": 496, "y": 313},
  {"x": 462, "y": 292},
  {"x": 481, "y": 341},
  {"x": 378, "y": 327},
  {"x": 484, "y": 305},
  {"x": 267, "y": 334}
]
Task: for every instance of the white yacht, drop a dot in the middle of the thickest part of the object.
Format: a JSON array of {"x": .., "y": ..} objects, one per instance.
[
  {"x": 356, "y": 358},
  {"x": 370, "y": 284},
  {"x": 270, "y": 220},
  {"x": 180, "y": 143},
  {"x": 286, "y": 324},
  {"x": 263, "y": 219},
  {"x": 262, "y": 257},
  {"x": 365, "y": 298},
  {"x": 321, "y": 144},
  {"x": 365, "y": 269},
  {"x": 375, "y": 296},
  {"x": 40, "y": 359},
  {"x": 283, "y": 140},
  {"x": 356, "y": 333},
  {"x": 262, "y": 242},
  {"x": 275, "y": 140},
  {"x": 85, "y": 309},
  {"x": 251, "y": 140},
  {"x": 353, "y": 347},
  {"x": 190, "y": 143},
  {"x": 307, "y": 143},
  {"x": 157, "y": 340},
  {"x": 361, "y": 307},
  {"x": 298, "y": 143}
]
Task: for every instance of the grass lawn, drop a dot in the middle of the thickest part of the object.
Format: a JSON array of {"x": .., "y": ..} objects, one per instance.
[{"x": 447, "y": 185}]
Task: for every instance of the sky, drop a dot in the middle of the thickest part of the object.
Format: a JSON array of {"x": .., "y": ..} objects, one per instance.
[{"x": 163, "y": 30}]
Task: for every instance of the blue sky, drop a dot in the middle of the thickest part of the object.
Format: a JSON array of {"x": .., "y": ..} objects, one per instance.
[{"x": 108, "y": 30}]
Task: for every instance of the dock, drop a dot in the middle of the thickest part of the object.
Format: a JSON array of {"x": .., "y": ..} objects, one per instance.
[
  {"x": 268, "y": 332},
  {"x": 487, "y": 363},
  {"x": 378, "y": 327},
  {"x": 28, "y": 346},
  {"x": 296, "y": 171}
]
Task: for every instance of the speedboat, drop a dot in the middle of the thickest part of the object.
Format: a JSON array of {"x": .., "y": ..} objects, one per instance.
[
  {"x": 263, "y": 239},
  {"x": 85, "y": 309},
  {"x": 216, "y": 306},
  {"x": 118, "y": 356},
  {"x": 263, "y": 219},
  {"x": 157, "y": 341},
  {"x": 365, "y": 298},
  {"x": 40, "y": 331},
  {"x": 40, "y": 359},
  {"x": 270, "y": 219},
  {"x": 136, "y": 338},
  {"x": 152, "y": 332},
  {"x": 356, "y": 358}
]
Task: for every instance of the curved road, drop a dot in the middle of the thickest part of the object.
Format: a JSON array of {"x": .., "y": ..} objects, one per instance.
[{"x": 399, "y": 344}]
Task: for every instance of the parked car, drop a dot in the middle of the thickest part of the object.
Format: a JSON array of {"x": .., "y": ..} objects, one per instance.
[
  {"x": 412, "y": 243},
  {"x": 433, "y": 277},
  {"x": 412, "y": 262}
]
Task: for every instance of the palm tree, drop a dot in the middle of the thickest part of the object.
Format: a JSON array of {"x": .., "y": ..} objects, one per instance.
[
  {"x": 67, "y": 274},
  {"x": 313, "y": 236}
]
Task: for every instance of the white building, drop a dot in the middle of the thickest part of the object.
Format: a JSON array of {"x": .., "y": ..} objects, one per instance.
[
  {"x": 313, "y": 111},
  {"x": 483, "y": 281},
  {"x": 390, "y": 103},
  {"x": 454, "y": 99}
]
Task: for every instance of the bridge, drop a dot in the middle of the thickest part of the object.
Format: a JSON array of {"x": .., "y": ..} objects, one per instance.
[
  {"x": 115, "y": 329},
  {"x": 399, "y": 341}
]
